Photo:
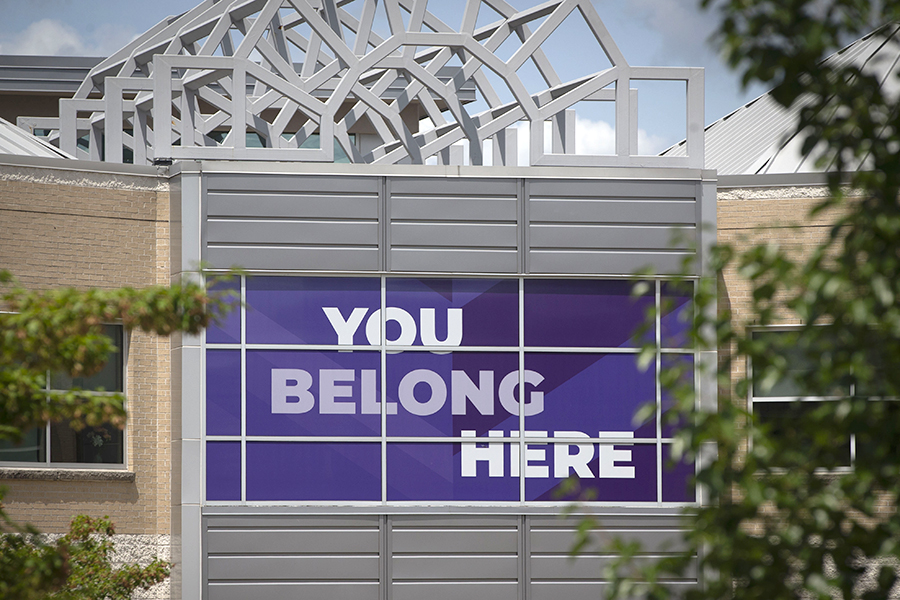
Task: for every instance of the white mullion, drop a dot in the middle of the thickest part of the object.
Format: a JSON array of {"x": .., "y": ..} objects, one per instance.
[
  {"x": 203, "y": 402},
  {"x": 47, "y": 457},
  {"x": 521, "y": 442},
  {"x": 383, "y": 359},
  {"x": 243, "y": 389},
  {"x": 443, "y": 349},
  {"x": 658, "y": 338},
  {"x": 696, "y": 371},
  {"x": 413, "y": 439}
]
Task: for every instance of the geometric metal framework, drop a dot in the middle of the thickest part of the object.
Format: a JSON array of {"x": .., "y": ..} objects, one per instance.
[{"x": 292, "y": 80}]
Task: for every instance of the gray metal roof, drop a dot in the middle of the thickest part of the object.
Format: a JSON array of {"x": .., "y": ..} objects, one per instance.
[
  {"x": 19, "y": 142},
  {"x": 44, "y": 74},
  {"x": 758, "y": 137}
]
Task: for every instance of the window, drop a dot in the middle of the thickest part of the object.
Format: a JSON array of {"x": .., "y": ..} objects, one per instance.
[
  {"x": 59, "y": 443},
  {"x": 785, "y": 404},
  {"x": 478, "y": 390}
]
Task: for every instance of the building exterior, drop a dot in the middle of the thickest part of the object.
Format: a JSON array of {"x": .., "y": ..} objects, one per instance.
[
  {"x": 72, "y": 223},
  {"x": 297, "y": 450}
]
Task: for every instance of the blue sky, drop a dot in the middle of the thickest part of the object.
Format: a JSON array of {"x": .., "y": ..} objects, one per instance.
[{"x": 648, "y": 32}]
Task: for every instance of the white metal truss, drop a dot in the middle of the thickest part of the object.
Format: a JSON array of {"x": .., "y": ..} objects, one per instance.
[{"x": 196, "y": 86}]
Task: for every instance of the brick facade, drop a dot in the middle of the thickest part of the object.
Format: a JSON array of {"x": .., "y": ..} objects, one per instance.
[{"x": 64, "y": 227}]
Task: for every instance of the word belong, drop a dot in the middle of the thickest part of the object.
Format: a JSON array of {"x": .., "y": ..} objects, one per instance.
[{"x": 292, "y": 392}]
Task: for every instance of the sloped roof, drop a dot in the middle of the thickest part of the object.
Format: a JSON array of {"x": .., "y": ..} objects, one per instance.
[
  {"x": 758, "y": 137},
  {"x": 44, "y": 74},
  {"x": 19, "y": 142}
]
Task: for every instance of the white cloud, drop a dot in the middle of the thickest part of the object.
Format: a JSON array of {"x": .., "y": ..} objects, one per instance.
[
  {"x": 591, "y": 138},
  {"x": 55, "y": 38},
  {"x": 594, "y": 137},
  {"x": 651, "y": 145},
  {"x": 46, "y": 36},
  {"x": 681, "y": 26}
]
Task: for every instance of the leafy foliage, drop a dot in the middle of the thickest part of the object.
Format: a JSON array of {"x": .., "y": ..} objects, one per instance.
[
  {"x": 77, "y": 566},
  {"x": 784, "y": 518},
  {"x": 29, "y": 568},
  {"x": 61, "y": 330}
]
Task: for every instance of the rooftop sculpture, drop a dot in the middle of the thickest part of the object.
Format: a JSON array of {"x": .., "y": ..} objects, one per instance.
[{"x": 197, "y": 85}]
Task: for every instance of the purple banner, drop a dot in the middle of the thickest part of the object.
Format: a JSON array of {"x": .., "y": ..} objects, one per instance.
[
  {"x": 226, "y": 329},
  {"x": 310, "y": 310},
  {"x": 446, "y": 394},
  {"x": 676, "y": 313},
  {"x": 575, "y": 407},
  {"x": 602, "y": 472},
  {"x": 223, "y": 471},
  {"x": 223, "y": 392},
  {"x": 677, "y": 484},
  {"x": 449, "y": 472},
  {"x": 453, "y": 312},
  {"x": 584, "y": 314},
  {"x": 313, "y": 471},
  {"x": 685, "y": 365},
  {"x": 303, "y": 392},
  {"x": 591, "y": 393}
]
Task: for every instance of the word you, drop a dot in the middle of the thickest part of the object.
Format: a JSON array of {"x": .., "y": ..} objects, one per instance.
[{"x": 427, "y": 328}]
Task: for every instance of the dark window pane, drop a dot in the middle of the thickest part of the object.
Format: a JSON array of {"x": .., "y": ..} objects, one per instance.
[
  {"x": 33, "y": 447},
  {"x": 874, "y": 382},
  {"x": 786, "y": 422},
  {"x": 101, "y": 444},
  {"x": 110, "y": 377},
  {"x": 871, "y": 450},
  {"x": 799, "y": 364}
]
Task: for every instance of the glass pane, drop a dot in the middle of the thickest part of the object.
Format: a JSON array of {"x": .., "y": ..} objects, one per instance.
[
  {"x": 870, "y": 447},
  {"x": 101, "y": 444},
  {"x": 452, "y": 472},
  {"x": 676, "y": 314},
  {"x": 223, "y": 471},
  {"x": 303, "y": 392},
  {"x": 601, "y": 472},
  {"x": 445, "y": 394},
  {"x": 799, "y": 364},
  {"x": 683, "y": 364},
  {"x": 786, "y": 422},
  {"x": 227, "y": 329},
  {"x": 295, "y": 471},
  {"x": 676, "y": 478},
  {"x": 600, "y": 314},
  {"x": 589, "y": 393},
  {"x": 33, "y": 447},
  {"x": 223, "y": 392},
  {"x": 453, "y": 312},
  {"x": 110, "y": 377},
  {"x": 311, "y": 310},
  {"x": 876, "y": 382}
]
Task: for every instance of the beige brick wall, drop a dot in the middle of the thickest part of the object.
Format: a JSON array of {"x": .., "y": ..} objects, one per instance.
[
  {"x": 83, "y": 229},
  {"x": 778, "y": 215}
]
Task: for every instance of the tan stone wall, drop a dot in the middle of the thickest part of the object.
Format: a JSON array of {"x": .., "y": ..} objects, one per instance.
[
  {"x": 778, "y": 215},
  {"x": 85, "y": 229}
]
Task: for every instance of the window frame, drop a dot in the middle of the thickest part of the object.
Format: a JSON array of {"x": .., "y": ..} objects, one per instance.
[
  {"x": 48, "y": 463},
  {"x": 753, "y": 399},
  {"x": 666, "y": 348}
]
